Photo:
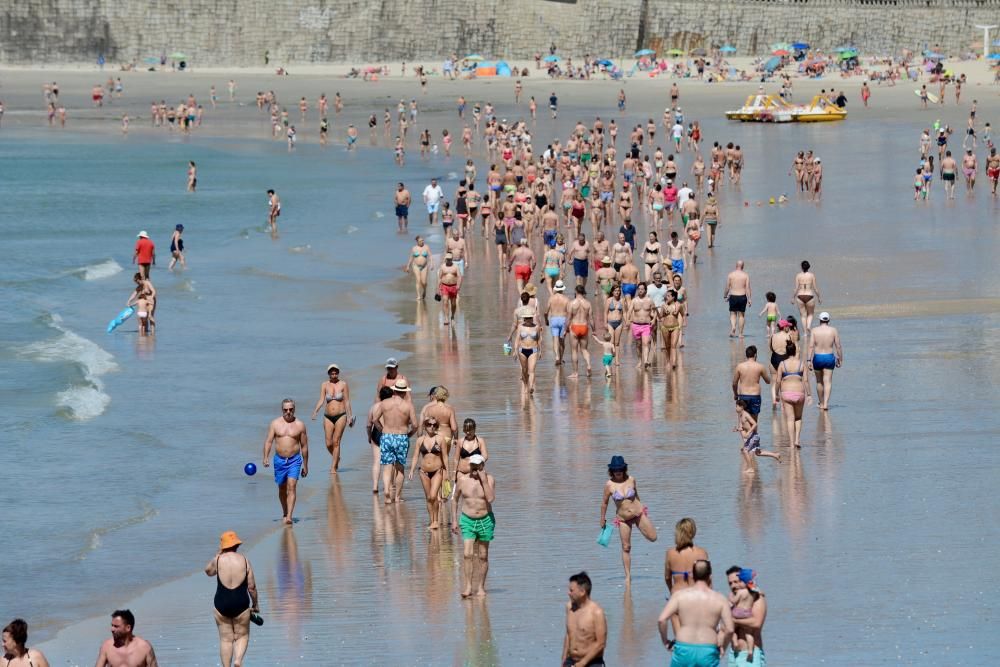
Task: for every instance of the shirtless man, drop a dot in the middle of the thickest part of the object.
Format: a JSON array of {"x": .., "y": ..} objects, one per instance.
[
  {"x": 969, "y": 168},
  {"x": 824, "y": 355},
  {"x": 639, "y": 316},
  {"x": 550, "y": 227},
  {"x": 475, "y": 494},
  {"x": 993, "y": 169},
  {"x": 600, "y": 248},
  {"x": 402, "y": 200},
  {"x": 581, "y": 323},
  {"x": 273, "y": 210},
  {"x": 586, "y": 626},
  {"x": 629, "y": 275},
  {"x": 398, "y": 421},
  {"x": 556, "y": 316},
  {"x": 621, "y": 253},
  {"x": 124, "y": 649},
  {"x": 701, "y": 611},
  {"x": 522, "y": 262},
  {"x": 675, "y": 254},
  {"x": 746, "y": 381},
  {"x": 948, "y": 170},
  {"x": 389, "y": 379},
  {"x": 455, "y": 245},
  {"x": 738, "y": 294},
  {"x": 580, "y": 253},
  {"x": 291, "y": 455},
  {"x": 449, "y": 283}
]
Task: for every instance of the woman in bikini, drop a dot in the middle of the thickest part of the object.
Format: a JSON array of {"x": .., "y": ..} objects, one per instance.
[
  {"x": 806, "y": 295},
  {"x": 15, "y": 653},
  {"x": 792, "y": 382},
  {"x": 235, "y": 598},
  {"x": 470, "y": 445},
  {"x": 677, "y": 280},
  {"x": 615, "y": 316},
  {"x": 552, "y": 267},
  {"x": 336, "y": 396},
  {"x": 432, "y": 448},
  {"x": 419, "y": 262},
  {"x": 651, "y": 255},
  {"x": 630, "y": 512},
  {"x": 526, "y": 345},
  {"x": 668, "y": 318},
  {"x": 439, "y": 410},
  {"x": 681, "y": 559}
]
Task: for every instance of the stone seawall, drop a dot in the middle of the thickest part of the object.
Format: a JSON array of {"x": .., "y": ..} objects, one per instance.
[{"x": 239, "y": 32}]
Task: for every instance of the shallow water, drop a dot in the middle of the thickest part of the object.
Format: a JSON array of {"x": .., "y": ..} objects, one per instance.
[{"x": 129, "y": 452}]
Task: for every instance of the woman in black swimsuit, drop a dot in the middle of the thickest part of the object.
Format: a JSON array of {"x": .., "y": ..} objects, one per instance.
[
  {"x": 468, "y": 446},
  {"x": 433, "y": 457},
  {"x": 15, "y": 653},
  {"x": 235, "y": 599}
]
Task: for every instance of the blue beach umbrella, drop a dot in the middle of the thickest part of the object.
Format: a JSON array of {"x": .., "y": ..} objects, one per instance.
[
  {"x": 551, "y": 59},
  {"x": 474, "y": 57},
  {"x": 645, "y": 52},
  {"x": 800, "y": 46},
  {"x": 604, "y": 62},
  {"x": 993, "y": 56},
  {"x": 728, "y": 49},
  {"x": 934, "y": 56}
]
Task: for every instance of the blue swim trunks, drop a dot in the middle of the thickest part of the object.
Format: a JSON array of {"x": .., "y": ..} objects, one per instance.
[
  {"x": 824, "y": 362},
  {"x": 753, "y": 403},
  {"x": 393, "y": 448},
  {"x": 677, "y": 266},
  {"x": 628, "y": 289},
  {"x": 695, "y": 655},
  {"x": 402, "y": 211},
  {"x": 285, "y": 468},
  {"x": 580, "y": 267},
  {"x": 550, "y": 237},
  {"x": 740, "y": 659},
  {"x": 557, "y": 325}
]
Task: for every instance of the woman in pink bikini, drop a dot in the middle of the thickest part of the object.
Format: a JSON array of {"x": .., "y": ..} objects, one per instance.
[
  {"x": 792, "y": 386},
  {"x": 630, "y": 511}
]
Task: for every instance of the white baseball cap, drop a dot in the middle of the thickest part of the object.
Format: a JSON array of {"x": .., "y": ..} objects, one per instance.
[{"x": 824, "y": 316}]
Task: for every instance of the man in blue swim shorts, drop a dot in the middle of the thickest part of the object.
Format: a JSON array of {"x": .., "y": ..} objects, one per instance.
[
  {"x": 472, "y": 509},
  {"x": 746, "y": 381},
  {"x": 397, "y": 420},
  {"x": 701, "y": 615},
  {"x": 556, "y": 314},
  {"x": 825, "y": 354},
  {"x": 291, "y": 455},
  {"x": 402, "y": 200}
]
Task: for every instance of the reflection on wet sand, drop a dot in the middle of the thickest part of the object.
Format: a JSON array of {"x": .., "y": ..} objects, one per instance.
[
  {"x": 290, "y": 589},
  {"x": 480, "y": 648},
  {"x": 339, "y": 528}
]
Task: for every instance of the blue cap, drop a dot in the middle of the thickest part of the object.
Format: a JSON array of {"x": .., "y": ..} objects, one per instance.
[
  {"x": 747, "y": 575},
  {"x": 617, "y": 463}
]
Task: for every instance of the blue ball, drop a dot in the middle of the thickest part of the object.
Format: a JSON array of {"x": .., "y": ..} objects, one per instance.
[{"x": 250, "y": 469}]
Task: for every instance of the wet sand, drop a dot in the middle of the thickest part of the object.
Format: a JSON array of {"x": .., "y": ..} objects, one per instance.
[{"x": 838, "y": 534}]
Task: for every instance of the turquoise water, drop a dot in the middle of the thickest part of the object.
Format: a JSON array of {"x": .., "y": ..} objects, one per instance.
[{"x": 876, "y": 546}]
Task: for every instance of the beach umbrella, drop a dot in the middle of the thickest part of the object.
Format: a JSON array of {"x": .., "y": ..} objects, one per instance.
[
  {"x": 604, "y": 62},
  {"x": 933, "y": 56},
  {"x": 551, "y": 59},
  {"x": 728, "y": 49},
  {"x": 645, "y": 52},
  {"x": 780, "y": 52},
  {"x": 474, "y": 57},
  {"x": 847, "y": 55},
  {"x": 699, "y": 52},
  {"x": 800, "y": 46},
  {"x": 675, "y": 52},
  {"x": 177, "y": 55},
  {"x": 993, "y": 56}
]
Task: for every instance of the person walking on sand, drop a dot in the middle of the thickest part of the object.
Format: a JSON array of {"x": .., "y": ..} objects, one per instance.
[
  {"x": 746, "y": 426},
  {"x": 746, "y": 381},
  {"x": 236, "y": 601},
  {"x": 474, "y": 497},
  {"x": 397, "y": 421},
  {"x": 681, "y": 558},
  {"x": 825, "y": 354},
  {"x": 700, "y": 612},
  {"x": 125, "y": 649},
  {"x": 738, "y": 294},
  {"x": 338, "y": 415},
  {"x": 192, "y": 180},
  {"x": 586, "y": 626},
  {"x": 630, "y": 512},
  {"x": 288, "y": 436},
  {"x": 581, "y": 323},
  {"x": 449, "y": 283},
  {"x": 402, "y": 200},
  {"x": 15, "y": 636}
]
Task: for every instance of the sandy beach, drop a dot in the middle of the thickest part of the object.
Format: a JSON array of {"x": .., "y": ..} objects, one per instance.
[{"x": 880, "y": 489}]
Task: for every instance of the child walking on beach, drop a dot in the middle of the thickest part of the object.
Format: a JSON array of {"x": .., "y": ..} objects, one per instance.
[
  {"x": 773, "y": 314},
  {"x": 609, "y": 351},
  {"x": 747, "y": 428}
]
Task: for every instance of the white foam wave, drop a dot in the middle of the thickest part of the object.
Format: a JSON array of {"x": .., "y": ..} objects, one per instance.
[
  {"x": 351, "y": 229},
  {"x": 379, "y": 214},
  {"x": 87, "y": 399},
  {"x": 452, "y": 176},
  {"x": 100, "y": 270}
]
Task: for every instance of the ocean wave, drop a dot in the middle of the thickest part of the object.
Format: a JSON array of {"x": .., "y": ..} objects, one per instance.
[
  {"x": 94, "y": 539},
  {"x": 84, "y": 400},
  {"x": 98, "y": 271}
]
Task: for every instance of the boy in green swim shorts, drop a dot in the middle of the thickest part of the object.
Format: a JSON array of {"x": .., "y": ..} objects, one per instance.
[
  {"x": 474, "y": 496},
  {"x": 609, "y": 352}
]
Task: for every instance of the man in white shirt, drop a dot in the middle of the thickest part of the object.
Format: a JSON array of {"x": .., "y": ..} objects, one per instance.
[
  {"x": 684, "y": 194},
  {"x": 677, "y": 134},
  {"x": 433, "y": 194},
  {"x": 657, "y": 290}
]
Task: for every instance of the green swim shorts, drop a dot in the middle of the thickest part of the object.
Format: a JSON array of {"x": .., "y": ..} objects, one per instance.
[
  {"x": 480, "y": 529},
  {"x": 695, "y": 655}
]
